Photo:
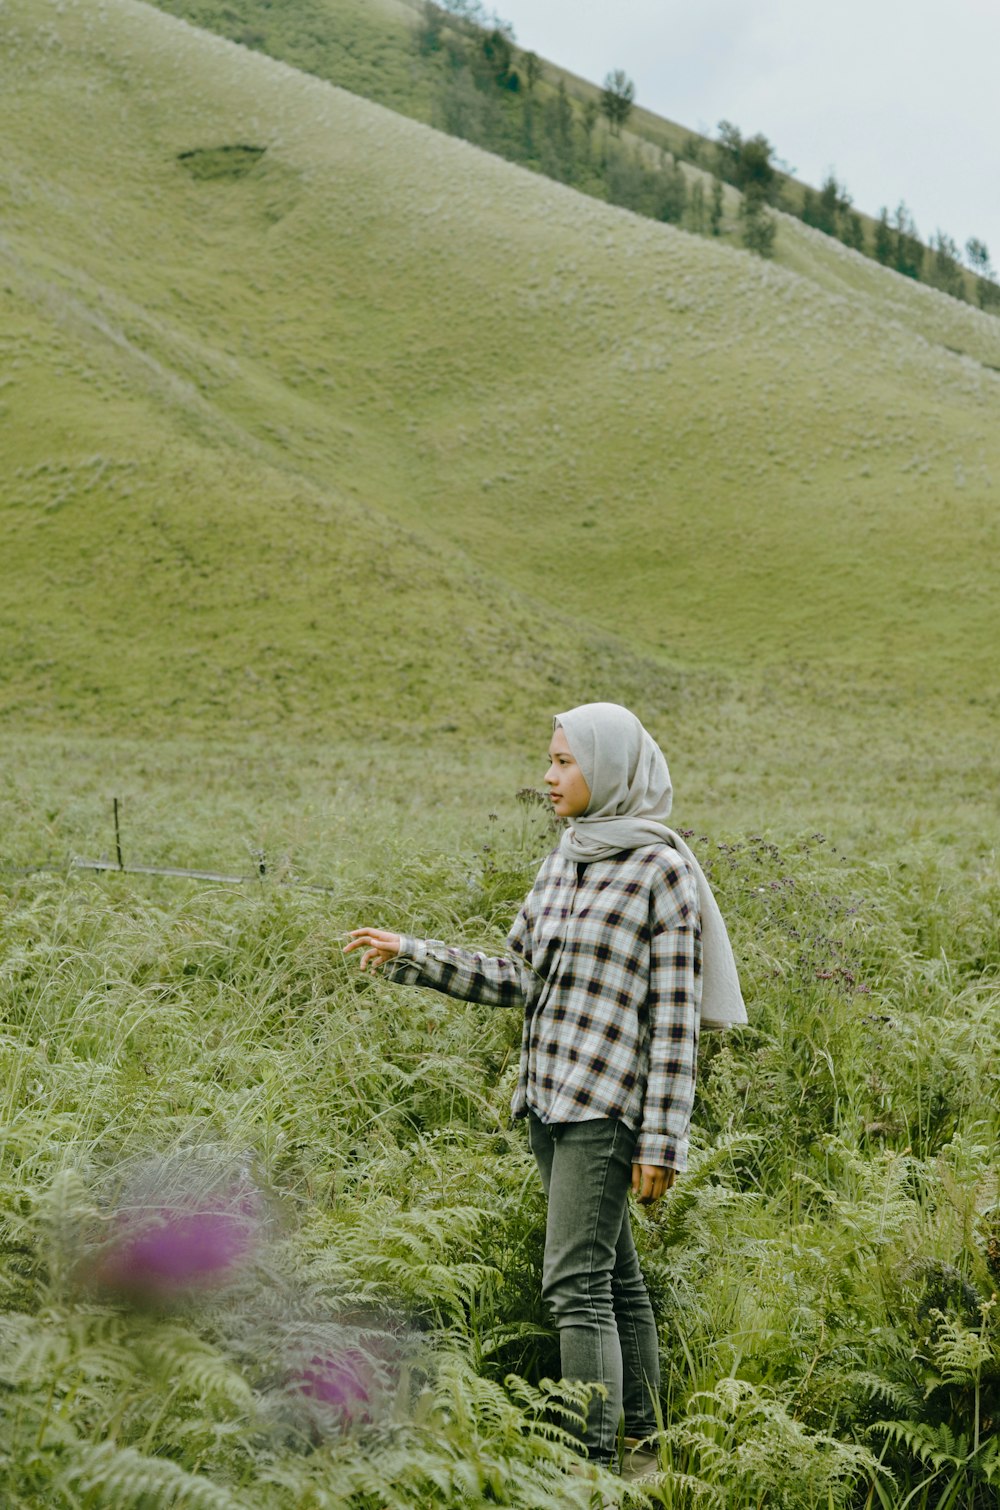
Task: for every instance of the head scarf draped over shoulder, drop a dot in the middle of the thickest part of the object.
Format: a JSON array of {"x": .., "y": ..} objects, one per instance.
[{"x": 630, "y": 801}]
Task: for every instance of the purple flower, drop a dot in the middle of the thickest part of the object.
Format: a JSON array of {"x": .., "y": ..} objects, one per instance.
[
  {"x": 343, "y": 1381},
  {"x": 159, "y": 1254}
]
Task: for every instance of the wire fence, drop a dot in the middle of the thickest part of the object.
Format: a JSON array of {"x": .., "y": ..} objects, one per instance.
[{"x": 260, "y": 874}]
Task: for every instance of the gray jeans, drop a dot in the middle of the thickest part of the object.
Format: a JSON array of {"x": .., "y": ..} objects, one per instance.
[{"x": 591, "y": 1275}]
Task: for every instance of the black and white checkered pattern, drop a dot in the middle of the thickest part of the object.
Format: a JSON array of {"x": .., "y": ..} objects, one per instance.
[{"x": 605, "y": 959}]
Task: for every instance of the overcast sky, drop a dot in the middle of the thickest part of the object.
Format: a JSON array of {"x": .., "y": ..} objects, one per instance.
[{"x": 902, "y": 101}]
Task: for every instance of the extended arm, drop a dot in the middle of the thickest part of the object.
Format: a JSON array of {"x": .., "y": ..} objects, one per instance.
[{"x": 493, "y": 981}]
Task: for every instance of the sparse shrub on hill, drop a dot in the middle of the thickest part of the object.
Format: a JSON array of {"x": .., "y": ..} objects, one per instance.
[
  {"x": 759, "y": 225},
  {"x": 656, "y": 189},
  {"x": 908, "y": 251},
  {"x": 811, "y": 208},
  {"x": 673, "y": 192},
  {"x": 588, "y": 118},
  {"x": 715, "y": 214},
  {"x": 533, "y": 70},
  {"x": 429, "y": 30},
  {"x": 831, "y": 212},
  {"x": 852, "y": 232},
  {"x": 977, "y": 255},
  {"x": 555, "y": 132},
  {"x": 494, "y": 59},
  {"x": 696, "y": 217},
  {"x": 617, "y": 99},
  {"x": 945, "y": 271},
  {"x": 833, "y": 202},
  {"x": 728, "y": 146},
  {"x": 746, "y": 163},
  {"x": 692, "y": 148},
  {"x": 884, "y": 239},
  {"x": 559, "y": 157},
  {"x": 897, "y": 243},
  {"x": 464, "y": 112}
]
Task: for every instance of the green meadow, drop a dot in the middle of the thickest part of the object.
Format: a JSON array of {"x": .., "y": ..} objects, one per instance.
[{"x": 338, "y": 456}]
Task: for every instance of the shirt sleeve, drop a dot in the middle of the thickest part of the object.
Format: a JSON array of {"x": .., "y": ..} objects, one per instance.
[
  {"x": 491, "y": 981},
  {"x": 673, "y": 1005}
]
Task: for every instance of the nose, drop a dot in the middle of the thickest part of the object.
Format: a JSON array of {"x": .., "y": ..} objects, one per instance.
[{"x": 551, "y": 776}]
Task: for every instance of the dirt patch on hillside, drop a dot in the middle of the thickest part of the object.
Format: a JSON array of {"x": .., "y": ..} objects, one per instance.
[{"x": 228, "y": 162}]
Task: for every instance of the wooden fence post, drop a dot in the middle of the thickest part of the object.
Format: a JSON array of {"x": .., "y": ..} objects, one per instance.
[{"x": 118, "y": 837}]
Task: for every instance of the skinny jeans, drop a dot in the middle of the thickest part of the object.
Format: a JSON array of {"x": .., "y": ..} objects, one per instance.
[{"x": 591, "y": 1276}]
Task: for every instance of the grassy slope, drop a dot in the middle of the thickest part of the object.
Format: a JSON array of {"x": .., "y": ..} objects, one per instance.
[
  {"x": 368, "y": 48},
  {"x": 390, "y": 434}
]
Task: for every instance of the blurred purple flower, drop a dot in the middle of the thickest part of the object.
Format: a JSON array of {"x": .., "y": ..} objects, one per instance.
[
  {"x": 345, "y": 1382},
  {"x": 161, "y": 1253}
]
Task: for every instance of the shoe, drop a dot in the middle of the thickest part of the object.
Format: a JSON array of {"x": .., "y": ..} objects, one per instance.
[{"x": 639, "y": 1463}]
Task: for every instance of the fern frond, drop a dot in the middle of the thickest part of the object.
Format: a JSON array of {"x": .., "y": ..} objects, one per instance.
[
  {"x": 878, "y": 1388},
  {"x": 959, "y": 1351},
  {"x": 191, "y": 1366},
  {"x": 124, "y": 1477},
  {"x": 938, "y": 1445},
  {"x": 93, "y": 1343}
]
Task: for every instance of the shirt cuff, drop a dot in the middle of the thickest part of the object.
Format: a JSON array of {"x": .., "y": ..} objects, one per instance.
[
  {"x": 406, "y": 968},
  {"x": 661, "y": 1150}
]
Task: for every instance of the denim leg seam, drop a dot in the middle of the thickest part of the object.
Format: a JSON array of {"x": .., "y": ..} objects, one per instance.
[
  {"x": 639, "y": 1340},
  {"x": 629, "y": 1320},
  {"x": 602, "y": 1402},
  {"x": 590, "y": 1297},
  {"x": 636, "y": 1428}
]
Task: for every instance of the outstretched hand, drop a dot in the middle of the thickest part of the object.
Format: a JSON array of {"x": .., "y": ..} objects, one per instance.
[
  {"x": 650, "y": 1181},
  {"x": 379, "y": 946}
]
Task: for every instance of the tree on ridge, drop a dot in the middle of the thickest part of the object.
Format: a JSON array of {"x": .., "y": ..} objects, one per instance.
[{"x": 617, "y": 99}]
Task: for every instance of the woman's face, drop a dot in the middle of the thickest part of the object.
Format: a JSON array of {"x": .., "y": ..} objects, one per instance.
[{"x": 568, "y": 791}]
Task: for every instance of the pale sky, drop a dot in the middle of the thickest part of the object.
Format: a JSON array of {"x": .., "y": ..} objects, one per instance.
[{"x": 901, "y": 98}]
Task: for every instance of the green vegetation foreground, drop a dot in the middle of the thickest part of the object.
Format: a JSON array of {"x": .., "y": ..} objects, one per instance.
[{"x": 823, "y": 1275}]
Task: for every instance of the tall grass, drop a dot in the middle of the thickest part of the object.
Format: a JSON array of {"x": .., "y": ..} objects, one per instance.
[{"x": 823, "y": 1274}]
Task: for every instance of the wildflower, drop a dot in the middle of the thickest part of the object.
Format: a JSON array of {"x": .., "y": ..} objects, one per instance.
[
  {"x": 178, "y": 1223},
  {"x": 343, "y": 1381},
  {"x": 159, "y": 1254}
]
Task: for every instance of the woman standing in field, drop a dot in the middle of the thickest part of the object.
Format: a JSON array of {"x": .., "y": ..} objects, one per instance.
[{"x": 606, "y": 959}]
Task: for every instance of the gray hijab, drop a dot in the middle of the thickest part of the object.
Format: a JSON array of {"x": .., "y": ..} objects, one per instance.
[{"x": 630, "y": 800}]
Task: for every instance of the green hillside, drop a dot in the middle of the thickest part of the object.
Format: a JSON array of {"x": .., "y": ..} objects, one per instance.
[
  {"x": 364, "y": 430},
  {"x": 431, "y": 65}
]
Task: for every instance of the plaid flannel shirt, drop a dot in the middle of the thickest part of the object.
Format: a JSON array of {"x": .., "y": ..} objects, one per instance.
[{"x": 605, "y": 959}]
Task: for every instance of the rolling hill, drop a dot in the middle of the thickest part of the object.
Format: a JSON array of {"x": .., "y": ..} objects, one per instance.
[
  {"x": 380, "y": 49},
  {"x": 318, "y": 421}
]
